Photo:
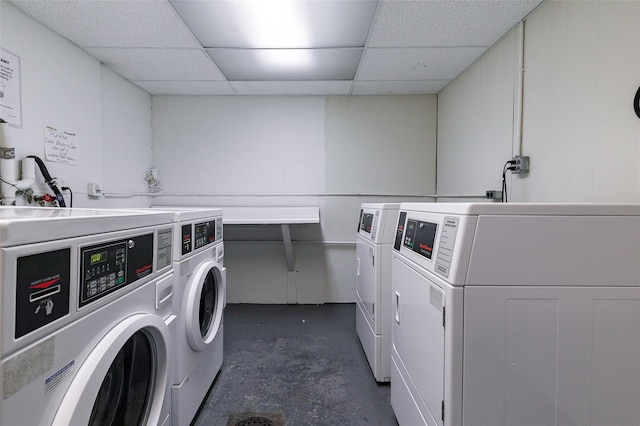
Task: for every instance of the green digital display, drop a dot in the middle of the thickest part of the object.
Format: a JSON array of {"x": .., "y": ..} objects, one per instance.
[{"x": 98, "y": 258}]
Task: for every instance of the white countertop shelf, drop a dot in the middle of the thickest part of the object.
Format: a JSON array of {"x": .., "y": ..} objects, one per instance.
[
  {"x": 283, "y": 216},
  {"x": 270, "y": 215}
]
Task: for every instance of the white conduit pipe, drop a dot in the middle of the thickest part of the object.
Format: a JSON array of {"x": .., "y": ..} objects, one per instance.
[
  {"x": 111, "y": 194},
  {"x": 518, "y": 94},
  {"x": 308, "y": 242},
  {"x": 9, "y": 185}
]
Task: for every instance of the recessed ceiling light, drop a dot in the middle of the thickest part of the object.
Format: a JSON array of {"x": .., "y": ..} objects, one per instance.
[
  {"x": 286, "y": 58},
  {"x": 295, "y": 39},
  {"x": 273, "y": 24},
  {"x": 293, "y": 64}
]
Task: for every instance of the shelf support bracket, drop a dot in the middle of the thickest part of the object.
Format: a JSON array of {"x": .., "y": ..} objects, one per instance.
[{"x": 288, "y": 248}]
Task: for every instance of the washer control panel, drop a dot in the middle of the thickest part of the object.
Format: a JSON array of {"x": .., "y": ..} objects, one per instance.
[
  {"x": 201, "y": 234},
  {"x": 206, "y": 233},
  {"x": 110, "y": 266}
]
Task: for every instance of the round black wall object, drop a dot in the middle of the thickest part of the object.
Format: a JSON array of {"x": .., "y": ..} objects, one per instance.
[{"x": 636, "y": 103}]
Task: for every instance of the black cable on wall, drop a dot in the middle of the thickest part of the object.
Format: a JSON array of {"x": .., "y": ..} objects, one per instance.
[{"x": 49, "y": 180}]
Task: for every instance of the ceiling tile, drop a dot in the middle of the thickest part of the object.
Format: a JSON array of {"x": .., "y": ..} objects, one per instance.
[
  {"x": 113, "y": 23},
  {"x": 416, "y": 63},
  {"x": 414, "y": 46},
  {"x": 430, "y": 87},
  {"x": 158, "y": 64},
  {"x": 186, "y": 87},
  {"x": 301, "y": 88},
  {"x": 446, "y": 23}
]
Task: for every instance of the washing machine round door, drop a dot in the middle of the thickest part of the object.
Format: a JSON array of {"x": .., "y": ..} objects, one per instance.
[
  {"x": 124, "y": 379},
  {"x": 204, "y": 303}
]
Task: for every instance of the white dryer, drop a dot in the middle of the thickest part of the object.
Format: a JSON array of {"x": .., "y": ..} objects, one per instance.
[
  {"x": 200, "y": 301},
  {"x": 374, "y": 239},
  {"x": 516, "y": 314},
  {"x": 86, "y": 316}
]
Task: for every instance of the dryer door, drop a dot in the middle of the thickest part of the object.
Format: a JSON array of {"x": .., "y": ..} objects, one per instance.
[
  {"x": 418, "y": 336},
  {"x": 204, "y": 304},
  {"x": 123, "y": 381},
  {"x": 368, "y": 276}
]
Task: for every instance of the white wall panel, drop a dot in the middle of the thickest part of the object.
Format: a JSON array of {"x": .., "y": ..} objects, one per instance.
[
  {"x": 475, "y": 123},
  {"x": 375, "y": 146},
  {"x": 340, "y": 264},
  {"x": 65, "y": 88},
  {"x": 239, "y": 145},
  {"x": 60, "y": 88},
  {"x": 255, "y": 273},
  {"x": 126, "y": 136},
  {"x": 381, "y": 144},
  {"x": 311, "y": 278},
  {"x": 266, "y": 151},
  {"x": 582, "y": 62}
]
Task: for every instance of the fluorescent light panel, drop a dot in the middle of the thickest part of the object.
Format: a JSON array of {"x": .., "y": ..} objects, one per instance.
[
  {"x": 281, "y": 39},
  {"x": 273, "y": 24},
  {"x": 287, "y": 64}
]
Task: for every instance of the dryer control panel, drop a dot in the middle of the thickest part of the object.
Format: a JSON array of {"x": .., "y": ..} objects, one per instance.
[
  {"x": 366, "y": 221},
  {"x": 420, "y": 237},
  {"x": 429, "y": 239},
  {"x": 376, "y": 222},
  {"x": 110, "y": 266}
]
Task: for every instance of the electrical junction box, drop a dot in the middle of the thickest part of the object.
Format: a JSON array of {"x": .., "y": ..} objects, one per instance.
[
  {"x": 94, "y": 190},
  {"x": 521, "y": 165}
]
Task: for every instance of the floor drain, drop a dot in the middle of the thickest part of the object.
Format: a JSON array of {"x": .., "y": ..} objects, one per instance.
[{"x": 255, "y": 421}]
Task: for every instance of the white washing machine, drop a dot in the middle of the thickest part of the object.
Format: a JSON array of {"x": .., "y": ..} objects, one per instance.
[
  {"x": 516, "y": 314},
  {"x": 200, "y": 301},
  {"x": 374, "y": 239},
  {"x": 87, "y": 310}
]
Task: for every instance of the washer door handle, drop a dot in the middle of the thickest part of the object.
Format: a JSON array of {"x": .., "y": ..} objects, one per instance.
[{"x": 397, "y": 310}]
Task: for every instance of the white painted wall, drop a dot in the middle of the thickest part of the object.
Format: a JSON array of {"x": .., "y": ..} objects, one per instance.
[
  {"x": 475, "y": 124},
  {"x": 582, "y": 68},
  {"x": 126, "y": 141},
  {"x": 261, "y": 151},
  {"x": 228, "y": 151},
  {"x": 582, "y": 64},
  {"x": 65, "y": 88},
  {"x": 239, "y": 145},
  {"x": 379, "y": 145}
]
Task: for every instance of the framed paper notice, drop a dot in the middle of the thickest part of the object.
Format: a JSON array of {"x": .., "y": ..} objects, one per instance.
[
  {"x": 60, "y": 147},
  {"x": 10, "y": 95}
]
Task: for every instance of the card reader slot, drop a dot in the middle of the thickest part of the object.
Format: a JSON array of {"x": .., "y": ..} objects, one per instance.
[{"x": 43, "y": 294}]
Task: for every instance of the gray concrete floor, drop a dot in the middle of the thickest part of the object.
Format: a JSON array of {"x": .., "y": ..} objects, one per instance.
[{"x": 296, "y": 365}]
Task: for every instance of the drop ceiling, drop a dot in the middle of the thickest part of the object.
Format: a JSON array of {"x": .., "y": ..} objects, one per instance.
[{"x": 412, "y": 47}]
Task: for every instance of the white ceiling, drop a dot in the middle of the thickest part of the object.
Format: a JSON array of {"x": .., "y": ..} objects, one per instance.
[{"x": 413, "y": 47}]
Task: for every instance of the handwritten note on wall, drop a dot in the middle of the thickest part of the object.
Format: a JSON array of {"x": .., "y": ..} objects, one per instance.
[{"x": 61, "y": 147}]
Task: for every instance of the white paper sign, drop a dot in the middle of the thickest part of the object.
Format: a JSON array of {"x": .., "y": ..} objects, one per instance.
[
  {"x": 60, "y": 147},
  {"x": 10, "y": 96}
]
